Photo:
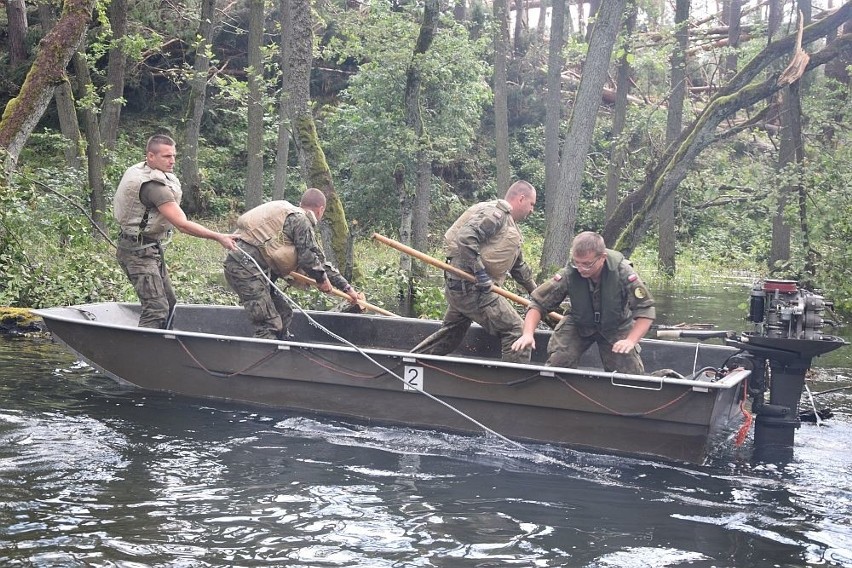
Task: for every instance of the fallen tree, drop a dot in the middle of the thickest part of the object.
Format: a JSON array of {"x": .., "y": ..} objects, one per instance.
[{"x": 636, "y": 212}]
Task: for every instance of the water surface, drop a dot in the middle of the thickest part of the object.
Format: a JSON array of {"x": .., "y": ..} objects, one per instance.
[{"x": 95, "y": 474}]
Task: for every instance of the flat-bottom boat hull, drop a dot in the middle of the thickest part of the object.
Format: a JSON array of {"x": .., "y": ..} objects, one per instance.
[{"x": 211, "y": 354}]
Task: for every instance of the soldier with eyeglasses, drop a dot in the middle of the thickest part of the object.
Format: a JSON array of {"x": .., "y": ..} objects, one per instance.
[{"x": 610, "y": 306}]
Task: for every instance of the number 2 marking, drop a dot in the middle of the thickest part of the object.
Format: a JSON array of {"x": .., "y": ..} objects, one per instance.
[{"x": 413, "y": 378}]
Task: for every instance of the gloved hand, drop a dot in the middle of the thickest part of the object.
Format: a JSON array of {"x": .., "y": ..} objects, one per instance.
[{"x": 483, "y": 281}]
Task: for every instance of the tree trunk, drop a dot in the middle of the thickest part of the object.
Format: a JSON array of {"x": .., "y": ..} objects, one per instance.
[
  {"x": 839, "y": 71},
  {"x": 94, "y": 150},
  {"x": 618, "y": 150},
  {"x": 415, "y": 215},
  {"x": 522, "y": 26},
  {"x": 190, "y": 176},
  {"x": 406, "y": 206},
  {"x": 55, "y": 50},
  {"x": 66, "y": 111},
  {"x": 732, "y": 16},
  {"x": 114, "y": 94},
  {"x": 791, "y": 157},
  {"x": 16, "y": 18},
  {"x": 631, "y": 218},
  {"x": 792, "y": 162},
  {"x": 414, "y": 120},
  {"x": 674, "y": 124},
  {"x": 779, "y": 251},
  {"x": 501, "y": 109},
  {"x": 254, "y": 142},
  {"x": 460, "y": 10},
  {"x": 775, "y": 15},
  {"x": 594, "y": 6},
  {"x": 314, "y": 167},
  {"x": 540, "y": 28},
  {"x": 553, "y": 100},
  {"x": 561, "y": 205},
  {"x": 282, "y": 145}
]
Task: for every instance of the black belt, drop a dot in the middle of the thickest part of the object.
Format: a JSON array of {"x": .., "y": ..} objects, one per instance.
[{"x": 139, "y": 239}]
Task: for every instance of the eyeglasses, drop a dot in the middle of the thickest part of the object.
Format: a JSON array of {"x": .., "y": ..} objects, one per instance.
[{"x": 585, "y": 265}]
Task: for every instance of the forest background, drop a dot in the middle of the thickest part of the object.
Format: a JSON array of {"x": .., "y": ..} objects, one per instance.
[{"x": 701, "y": 138}]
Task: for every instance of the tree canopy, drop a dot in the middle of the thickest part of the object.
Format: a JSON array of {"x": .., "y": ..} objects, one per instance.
[{"x": 193, "y": 76}]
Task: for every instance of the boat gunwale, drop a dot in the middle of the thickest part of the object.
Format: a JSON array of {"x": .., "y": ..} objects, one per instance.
[{"x": 731, "y": 380}]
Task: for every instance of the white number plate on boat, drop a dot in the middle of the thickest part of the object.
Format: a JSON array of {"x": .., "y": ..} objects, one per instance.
[{"x": 413, "y": 378}]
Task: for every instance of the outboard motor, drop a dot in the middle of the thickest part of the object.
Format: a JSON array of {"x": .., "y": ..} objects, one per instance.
[
  {"x": 788, "y": 323},
  {"x": 779, "y": 308}
]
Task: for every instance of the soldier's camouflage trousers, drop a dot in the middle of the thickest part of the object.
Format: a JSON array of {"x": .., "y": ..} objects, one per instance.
[
  {"x": 566, "y": 346},
  {"x": 492, "y": 312},
  {"x": 146, "y": 269},
  {"x": 270, "y": 314}
]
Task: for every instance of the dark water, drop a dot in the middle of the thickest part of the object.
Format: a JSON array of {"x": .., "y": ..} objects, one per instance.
[{"x": 94, "y": 474}]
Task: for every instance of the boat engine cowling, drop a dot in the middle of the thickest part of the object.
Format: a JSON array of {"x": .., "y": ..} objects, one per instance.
[{"x": 780, "y": 309}]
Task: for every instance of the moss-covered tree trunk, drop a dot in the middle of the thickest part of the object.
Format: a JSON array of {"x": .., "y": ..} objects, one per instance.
[
  {"x": 48, "y": 70},
  {"x": 633, "y": 215},
  {"x": 315, "y": 170},
  {"x": 414, "y": 120},
  {"x": 66, "y": 110}
]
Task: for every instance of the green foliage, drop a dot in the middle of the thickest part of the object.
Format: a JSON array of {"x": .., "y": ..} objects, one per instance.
[
  {"x": 430, "y": 302},
  {"x": 367, "y": 134},
  {"x": 49, "y": 257},
  {"x": 723, "y": 208}
]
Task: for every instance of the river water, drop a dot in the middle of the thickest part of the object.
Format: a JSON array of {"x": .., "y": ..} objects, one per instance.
[{"x": 96, "y": 474}]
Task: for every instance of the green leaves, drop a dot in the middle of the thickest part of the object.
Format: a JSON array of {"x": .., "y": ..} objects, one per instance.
[{"x": 367, "y": 134}]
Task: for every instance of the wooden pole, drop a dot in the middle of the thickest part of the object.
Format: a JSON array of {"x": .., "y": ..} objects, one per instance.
[
  {"x": 457, "y": 271},
  {"x": 302, "y": 279}
]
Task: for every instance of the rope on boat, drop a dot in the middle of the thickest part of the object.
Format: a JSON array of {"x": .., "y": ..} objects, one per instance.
[
  {"x": 392, "y": 373},
  {"x": 616, "y": 412}
]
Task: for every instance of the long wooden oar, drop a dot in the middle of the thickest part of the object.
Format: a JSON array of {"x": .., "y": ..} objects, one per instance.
[
  {"x": 302, "y": 279},
  {"x": 457, "y": 271}
]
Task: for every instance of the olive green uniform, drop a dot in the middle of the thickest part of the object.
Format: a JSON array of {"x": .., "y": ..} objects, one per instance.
[
  {"x": 600, "y": 313},
  {"x": 143, "y": 260},
  {"x": 485, "y": 226},
  {"x": 268, "y": 311}
]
